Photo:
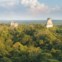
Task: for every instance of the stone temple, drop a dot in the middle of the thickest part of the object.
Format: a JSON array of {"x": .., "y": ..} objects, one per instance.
[
  {"x": 14, "y": 24},
  {"x": 49, "y": 23}
]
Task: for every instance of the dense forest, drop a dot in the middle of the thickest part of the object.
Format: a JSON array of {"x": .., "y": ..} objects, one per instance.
[{"x": 30, "y": 43}]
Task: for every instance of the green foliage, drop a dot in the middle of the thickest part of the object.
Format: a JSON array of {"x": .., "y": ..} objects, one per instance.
[{"x": 30, "y": 43}]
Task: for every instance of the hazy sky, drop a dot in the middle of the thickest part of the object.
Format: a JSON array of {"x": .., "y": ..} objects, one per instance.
[{"x": 30, "y": 9}]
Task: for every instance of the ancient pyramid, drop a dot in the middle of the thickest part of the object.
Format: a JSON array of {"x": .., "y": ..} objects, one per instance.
[{"x": 49, "y": 23}]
